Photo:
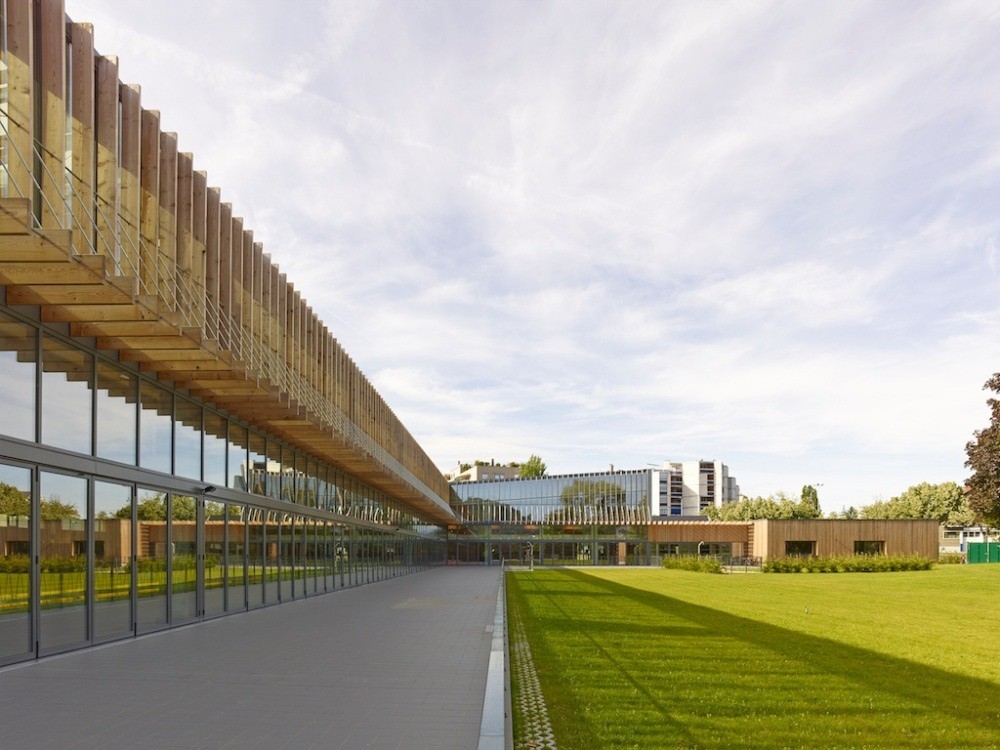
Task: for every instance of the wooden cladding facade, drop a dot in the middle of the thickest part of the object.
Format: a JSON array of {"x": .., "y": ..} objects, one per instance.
[
  {"x": 768, "y": 538},
  {"x": 183, "y": 289}
]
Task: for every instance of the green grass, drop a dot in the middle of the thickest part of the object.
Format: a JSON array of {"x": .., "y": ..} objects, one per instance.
[{"x": 647, "y": 658}]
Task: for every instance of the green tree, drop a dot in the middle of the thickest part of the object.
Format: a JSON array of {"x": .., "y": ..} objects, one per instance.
[
  {"x": 13, "y": 502},
  {"x": 984, "y": 459},
  {"x": 810, "y": 500},
  {"x": 945, "y": 503},
  {"x": 54, "y": 509},
  {"x": 779, "y": 506},
  {"x": 533, "y": 467}
]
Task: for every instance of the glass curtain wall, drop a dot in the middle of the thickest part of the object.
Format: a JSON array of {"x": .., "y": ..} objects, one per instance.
[
  {"x": 62, "y": 562},
  {"x": 15, "y": 553},
  {"x": 112, "y": 560}
]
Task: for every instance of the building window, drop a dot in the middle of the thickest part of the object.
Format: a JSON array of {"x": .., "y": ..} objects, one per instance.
[
  {"x": 869, "y": 547},
  {"x": 800, "y": 548}
]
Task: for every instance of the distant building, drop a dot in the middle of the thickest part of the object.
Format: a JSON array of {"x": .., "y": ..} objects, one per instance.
[
  {"x": 483, "y": 473},
  {"x": 687, "y": 488}
]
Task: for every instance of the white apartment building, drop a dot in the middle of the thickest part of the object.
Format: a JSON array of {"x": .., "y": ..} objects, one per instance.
[{"x": 686, "y": 488}]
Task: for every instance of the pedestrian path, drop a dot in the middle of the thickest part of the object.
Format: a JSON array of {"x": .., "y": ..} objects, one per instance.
[{"x": 396, "y": 664}]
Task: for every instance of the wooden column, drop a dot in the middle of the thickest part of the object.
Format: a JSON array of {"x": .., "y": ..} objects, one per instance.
[{"x": 225, "y": 276}]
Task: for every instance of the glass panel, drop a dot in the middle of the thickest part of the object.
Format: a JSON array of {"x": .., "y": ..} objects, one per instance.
[
  {"x": 215, "y": 557},
  {"x": 112, "y": 560},
  {"x": 271, "y": 556},
  {"x": 256, "y": 569},
  {"x": 237, "y": 475},
  {"x": 236, "y": 558},
  {"x": 151, "y": 565},
  {"x": 279, "y": 476},
  {"x": 63, "y": 561},
  {"x": 17, "y": 373},
  {"x": 117, "y": 394},
  {"x": 257, "y": 464},
  {"x": 286, "y": 558},
  {"x": 187, "y": 439},
  {"x": 67, "y": 382},
  {"x": 155, "y": 428},
  {"x": 15, "y": 554},
  {"x": 215, "y": 449},
  {"x": 305, "y": 494},
  {"x": 183, "y": 551}
]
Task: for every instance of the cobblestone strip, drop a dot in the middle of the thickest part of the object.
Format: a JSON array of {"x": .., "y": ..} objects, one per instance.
[{"x": 535, "y": 730}]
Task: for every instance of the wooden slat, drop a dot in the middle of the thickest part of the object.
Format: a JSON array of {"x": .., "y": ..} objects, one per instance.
[
  {"x": 130, "y": 199},
  {"x": 149, "y": 210},
  {"x": 212, "y": 225},
  {"x": 20, "y": 106},
  {"x": 51, "y": 39},
  {"x": 167, "y": 255},
  {"x": 107, "y": 157},
  {"x": 82, "y": 123}
]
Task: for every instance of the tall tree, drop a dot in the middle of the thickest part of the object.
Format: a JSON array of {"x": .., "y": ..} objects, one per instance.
[
  {"x": 13, "y": 502},
  {"x": 810, "y": 500},
  {"x": 984, "y": 459},
  {"x": 533, "y": 467}
]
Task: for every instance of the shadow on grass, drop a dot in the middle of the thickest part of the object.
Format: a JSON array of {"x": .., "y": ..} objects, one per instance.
[{"x": 896, "y": 685}]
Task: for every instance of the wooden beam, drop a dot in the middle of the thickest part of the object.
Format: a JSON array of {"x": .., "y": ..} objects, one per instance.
[
  {"x": 149, "y": 210},
  {"x": 20, "y": 102},
  {"x": 130, "y": 200},
  {"x": 167, "y": 252}
]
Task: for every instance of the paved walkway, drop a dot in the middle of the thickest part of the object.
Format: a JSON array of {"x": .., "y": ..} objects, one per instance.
[{"x": 396, "y": 664}]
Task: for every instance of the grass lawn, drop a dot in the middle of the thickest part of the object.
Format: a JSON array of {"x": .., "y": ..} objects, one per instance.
[{"x": 647, "y": 658}]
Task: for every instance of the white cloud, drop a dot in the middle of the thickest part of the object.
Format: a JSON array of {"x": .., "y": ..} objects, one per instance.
[{"x": 614, "y": 232}]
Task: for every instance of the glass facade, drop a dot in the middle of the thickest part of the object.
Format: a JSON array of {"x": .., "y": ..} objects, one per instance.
[
  {"x": 576, "y": 519},
  {"x": 225, "y": 517}
]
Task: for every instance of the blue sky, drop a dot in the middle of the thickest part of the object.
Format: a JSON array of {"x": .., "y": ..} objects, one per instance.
[{"x": 619, "y": 232}]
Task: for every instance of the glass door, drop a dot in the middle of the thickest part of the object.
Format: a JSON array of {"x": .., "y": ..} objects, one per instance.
[
  {"x": 62, "y": 562},
  {"x": 15, "y": 555}
]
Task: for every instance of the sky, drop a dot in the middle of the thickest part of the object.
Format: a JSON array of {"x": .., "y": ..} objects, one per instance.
[{"x": 617, "y": 232}]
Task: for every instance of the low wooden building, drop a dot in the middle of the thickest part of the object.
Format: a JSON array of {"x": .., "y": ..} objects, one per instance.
[{"x": 773, "y": 538}]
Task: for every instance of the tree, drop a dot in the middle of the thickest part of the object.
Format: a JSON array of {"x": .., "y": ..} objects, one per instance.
[
  {"x": 533, "y": 467},
  {"x": 984, "y": 459},
  {"x": 810, "y": 499},
  {"x": 13, "y": 502},
  {"x": 54, "y": 509},
  {"x": 945, "y": 503},
  {"x": 779, "y": 506}
]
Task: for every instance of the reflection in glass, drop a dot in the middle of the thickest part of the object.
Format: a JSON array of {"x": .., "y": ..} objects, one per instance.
[
  {"x": 183, "y": 556},
  {"x": 286, "y": 557},
  {"x": 236, "y": 564},
  {"x": 256, "y": 568},
  {"x": 62, "y": 561},
  {"x": 256, "y": 473},
  {"x": 215, "y": 449},
  {"x": 117, "y": 396},
  {"x": 151, "y": 554},
  {"x": 271, "y": 555},
  {"x": 237, "y": 476},
  {"x": 112, "y": 560},
  {"x": 15, "y": 554},
  {"x": 278, "y": 474},
  {"x": 215, "y": 557},
  {"x": 155, "y": 428},
  {"x": 17, "y": 373},
  {"x": 187, "y": 439},
  {"x": 67, "y": 381}
]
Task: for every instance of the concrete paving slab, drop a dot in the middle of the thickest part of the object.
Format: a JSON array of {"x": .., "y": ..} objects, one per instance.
[{"x": 396, "y": 664}]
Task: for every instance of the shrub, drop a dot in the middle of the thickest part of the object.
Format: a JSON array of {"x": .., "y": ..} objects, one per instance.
[
  {"x": 691, "y": 562},
  {"x": 951, "y": 558},
  {"x": 847, "y": 564}
]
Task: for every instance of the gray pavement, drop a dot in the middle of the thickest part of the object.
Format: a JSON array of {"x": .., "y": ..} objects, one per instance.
[{"x": 396, "y": 664}]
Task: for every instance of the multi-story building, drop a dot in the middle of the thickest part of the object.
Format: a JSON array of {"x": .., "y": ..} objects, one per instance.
[
  {"x": 687, "y": 488},
  {"x": 483, "y": 472}
]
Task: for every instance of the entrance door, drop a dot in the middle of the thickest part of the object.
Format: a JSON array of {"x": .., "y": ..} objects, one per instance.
[{"x": 186, "y": 553}]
